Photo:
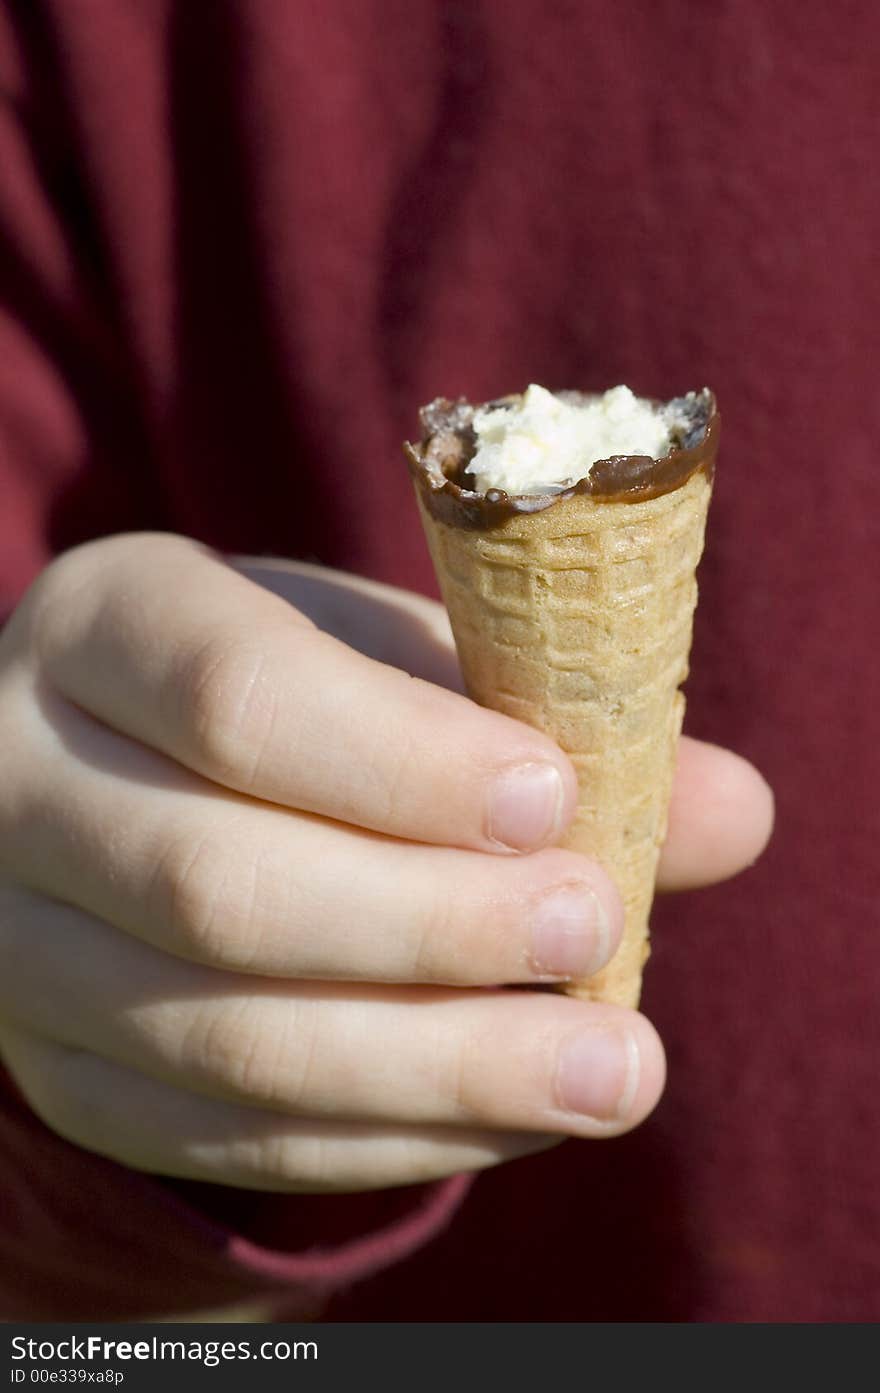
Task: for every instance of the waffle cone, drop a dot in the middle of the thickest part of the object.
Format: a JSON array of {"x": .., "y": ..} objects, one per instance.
[{"x": 577, "y": 620}]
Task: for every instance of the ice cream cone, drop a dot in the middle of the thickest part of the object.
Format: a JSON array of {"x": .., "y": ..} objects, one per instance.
[{"x": 577, "y": 619}]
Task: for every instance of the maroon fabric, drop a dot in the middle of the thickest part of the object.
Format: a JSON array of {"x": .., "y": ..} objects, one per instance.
[
  {"x": 82, "y": 1237},
  {"x": 241, "y": 243}
]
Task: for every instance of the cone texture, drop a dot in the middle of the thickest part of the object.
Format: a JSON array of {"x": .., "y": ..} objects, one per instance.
[{"x": 578, "y": 620}]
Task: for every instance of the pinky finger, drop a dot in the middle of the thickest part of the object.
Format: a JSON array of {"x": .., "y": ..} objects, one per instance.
[{"x": 151, "y": 1126}]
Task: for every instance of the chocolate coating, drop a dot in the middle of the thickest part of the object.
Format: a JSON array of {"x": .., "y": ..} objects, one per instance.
[{"x": 439, "y": 464}]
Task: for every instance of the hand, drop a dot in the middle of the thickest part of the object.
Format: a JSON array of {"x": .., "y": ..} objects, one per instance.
[{"x": 250, "y": 879}]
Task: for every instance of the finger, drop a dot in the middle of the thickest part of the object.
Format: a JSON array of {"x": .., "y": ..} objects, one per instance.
[
  {"x": 116, "y": 829},
  {"x": 169, "y": 645},
  {"x": 722, "y": 809},
  {"x": 152, "y": 1126},
  {"x": 515, "y": 1061},
  {"x": 395, "y": 626},
  {"x": 720, "y": 817}
]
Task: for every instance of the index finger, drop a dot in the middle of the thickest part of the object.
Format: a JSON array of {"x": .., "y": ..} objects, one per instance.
[{"x": 164, "y": 642}]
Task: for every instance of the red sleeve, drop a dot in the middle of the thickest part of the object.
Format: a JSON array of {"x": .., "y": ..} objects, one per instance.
[
  {"x": 41, "y": 430},
  {"x": 82, "y": 1237},
  {"x": 73, "y": 449}
]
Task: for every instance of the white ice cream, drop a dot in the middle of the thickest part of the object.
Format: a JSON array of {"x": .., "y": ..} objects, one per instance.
[{"x": 545, "y": 443}]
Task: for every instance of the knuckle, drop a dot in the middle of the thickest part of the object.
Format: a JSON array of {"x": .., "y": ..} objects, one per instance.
[
  {"x": 237, "y": 1048},
  {"x": 40, "y": 617},
  {"x": 302, "y": 1055},
  {"x": 23, "y": 760},
  {"x": 228, "y": 707},
  {"x": 478, "y": 1059},
  {"x": 186, "y": 893},
  {"x": 384, "y": 769},
  {"x": 224, "y": 1045},
  {"x": 438, "y": 952},
  {"x": 453, "y": 1070},
  {"x": 467, "y": 1088},
  {"x": 87, "y": 578},
  {"x": 467, "y": 931},
  {"x": 56, "y": 590},
  {"x": 217, "y": 893},
  {"x": 58, "y": 1083},
  {"x": 301, "y": 1159},
  {"x": 392, "y": 768}
]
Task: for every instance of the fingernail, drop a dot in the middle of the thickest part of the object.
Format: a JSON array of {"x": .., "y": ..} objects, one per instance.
[
  {"x": 525, "y": 806},
  {"x": 571, "y": 936},
  {"x": 599, "y": 1073}
]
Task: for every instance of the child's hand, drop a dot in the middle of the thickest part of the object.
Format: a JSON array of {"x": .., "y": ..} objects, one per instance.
[{"x": 251, "y": 878}]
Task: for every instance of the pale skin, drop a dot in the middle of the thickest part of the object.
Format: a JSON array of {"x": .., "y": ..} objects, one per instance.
[{"x": 258, "y": 888}]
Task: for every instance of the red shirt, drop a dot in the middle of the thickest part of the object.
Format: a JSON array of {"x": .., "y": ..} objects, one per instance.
[{"x": 241, "y": 243}]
